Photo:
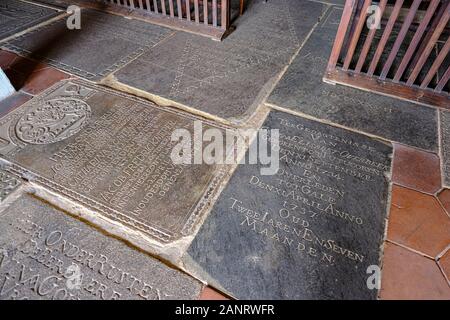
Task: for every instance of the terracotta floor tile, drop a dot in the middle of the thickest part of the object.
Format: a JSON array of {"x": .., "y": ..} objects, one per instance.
[
  {"x": 42, "y": 79},
  {"x": 444, "y": 262},
  {"x": 444, "y": 197},
  {"x": 416, "y": 169},
  {"x": 407, "y": 275},
  {"x": 6, "y": 58},
  {"x": 418, "y": 221},
  {"x": 12, "y": 102},
  {"x": 211, "y": 294}
]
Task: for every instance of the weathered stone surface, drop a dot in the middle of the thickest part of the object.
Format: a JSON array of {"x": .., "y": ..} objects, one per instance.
[
  {"x": 102, "y": 45},
  {"x": 226, "y": 79},
  {"x": 55, "y": 3},
  {"x": 301, "y": 89},
  {"x": 308, "y": 232},
  {"x": 17, "y": 16},
  {"x": 8, "y": 183},
  {"x": 47, "y": 254},
  {"x": 445, "y": 147},
  {"x": 110, "y": 152}
]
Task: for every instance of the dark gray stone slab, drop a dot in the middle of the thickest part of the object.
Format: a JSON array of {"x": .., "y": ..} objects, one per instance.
[
  {"x": 55, "y": 3},
  {"x": 8, "y": 184},
  {"x": 445, "y": 146},
  {"x": 301, "y": 89},
  {"x": 308, "y": 232},
  {"x": 47, "y": 254},
  {"x": 17, "y": 16},
  {"x": 226, "y": 79},
  {"x": 110, "y": 152},
  {"x": 104, "y": 43}
]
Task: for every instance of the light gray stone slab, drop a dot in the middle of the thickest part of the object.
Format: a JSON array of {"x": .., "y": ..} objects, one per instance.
[
  {"x": 47, "y": 254},
  {"x": 226, "y": 79},
  {"x": 445, "y": 146},
  {"x": 111, "y": 153}
]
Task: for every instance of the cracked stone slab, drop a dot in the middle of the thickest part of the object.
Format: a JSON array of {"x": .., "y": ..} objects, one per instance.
[
  {"x": 302, "y": 90},
  {"x": 445, "y": 147},
  {"x": 63, "y": 258},
  {"x": 17, "y": 16},
  {"x": 104, "y": 43},
  {"x": 226, "y": 79},
  {"x": 111, "y": 153},
  {"x": 8, "y": 184},
  {"x": 312, "y": 230}
]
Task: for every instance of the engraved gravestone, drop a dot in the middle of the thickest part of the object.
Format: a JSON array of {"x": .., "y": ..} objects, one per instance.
[
  {"x": 8, "y": 184},
  {"x": 17, "y": 16},
  {"x": 111, "y": 152},
  {"x": 445, "y": 146},
  {"x": 47, "y": 254},
  {"x": 104, "y": 43},
  {"x": 312, "y": 230},
  {"x": 226, "y": 79}
]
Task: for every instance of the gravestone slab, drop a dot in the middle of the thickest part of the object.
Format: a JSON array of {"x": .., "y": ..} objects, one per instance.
[
  {"x": 47, "y": 254},
  {"x": 445, "y": 147},
  {"x": 55, "y": 3},
  {"x": 110, "y": 152},
  {"x": 8, "y": 184},
  {"x": 226, "y": 79},
  {"x": 104, "y": 43},
  {"x": 301, "y": 89},
  {"x": 17, "y": 16},
  {"x": 308, "y": 232}
]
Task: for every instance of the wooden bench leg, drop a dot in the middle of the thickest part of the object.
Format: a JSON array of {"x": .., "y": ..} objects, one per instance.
[{"x": 241, "y": 7}]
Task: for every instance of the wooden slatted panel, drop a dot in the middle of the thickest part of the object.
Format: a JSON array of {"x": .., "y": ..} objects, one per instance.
[
  {"x": 214, "y": 12},
  {"x": 196, "y": 12},
  {"x": 342, "y": 29},
  {"x": 171, "y": 11},
  {"x": 429, "y": 32},
  {"x": 188, "y": 10},
  {"x": 369, "y": 39},
  {"x": 205, "y": 12},
  {"x": 415, "y": 40},
  {"x": 400, "y": 37},
  {"x": 385, "y": 37},
  {"x": 430, "y": 45},
  {"x": 163, "y": 7},
  {"x": 355, "y": 37},
  {"x": 436, "y": 64},
  {"x": 224, "y": 13},
  {"x": 443, "y": 80},
  {"x": 179, "y": 9},
  {"x": 155, "y": 6},
  {"x": 147, "y": 2}
]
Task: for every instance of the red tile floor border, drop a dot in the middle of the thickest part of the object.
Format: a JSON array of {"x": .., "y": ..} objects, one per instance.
[
  {"x": 416, "y": 169},
  {"x": 408, "y": 275},
  {"x": 418, "y": 221},
  {"x": 211, "y": 294},
  {"x": 29, "y": 76}
]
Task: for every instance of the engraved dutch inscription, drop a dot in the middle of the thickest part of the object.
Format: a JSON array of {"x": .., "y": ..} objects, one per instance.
[
  {"x": 111, "y": 153},
  {"x": 317, "y": 223},
  {"x": 47, "y": 254}
]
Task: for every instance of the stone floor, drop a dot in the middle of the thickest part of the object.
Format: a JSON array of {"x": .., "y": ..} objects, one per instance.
[{"x": 243, "y": 79}]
